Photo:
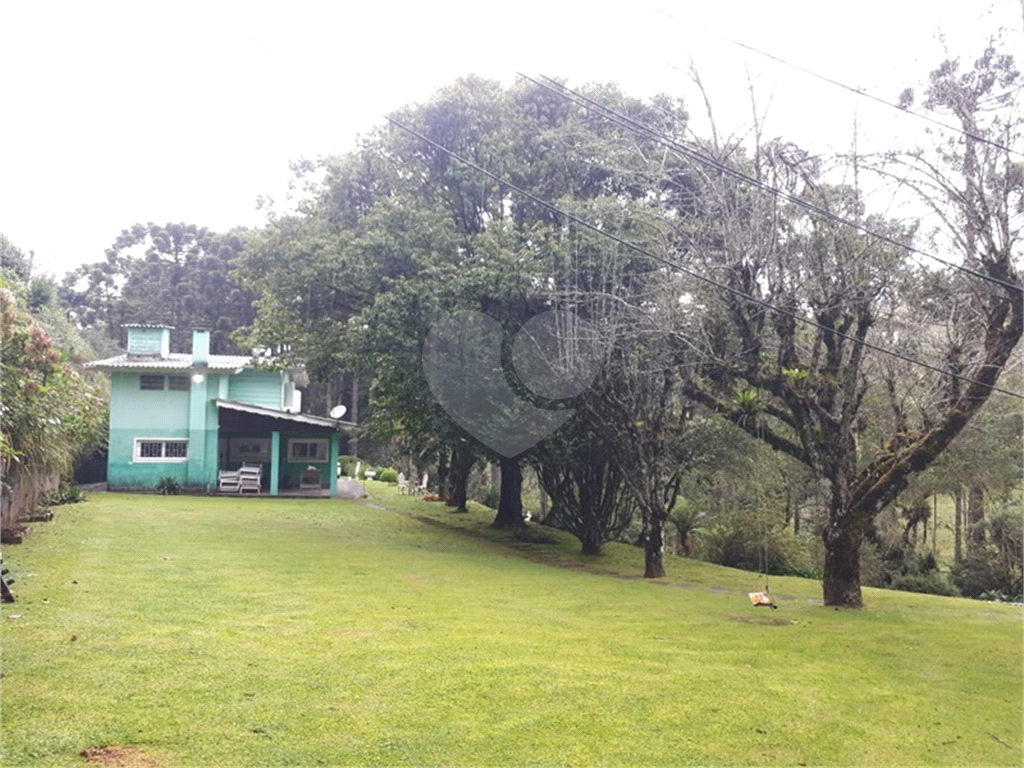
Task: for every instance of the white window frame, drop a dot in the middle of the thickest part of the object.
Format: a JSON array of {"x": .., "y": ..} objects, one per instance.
[
  {"x": 163, "y": 458},
  {"x": 235, "y": 453},
  {"x": 325, "y": 442}
]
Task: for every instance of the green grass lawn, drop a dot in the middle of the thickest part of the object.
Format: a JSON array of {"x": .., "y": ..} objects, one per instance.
[{"x": 215, "y": 631}]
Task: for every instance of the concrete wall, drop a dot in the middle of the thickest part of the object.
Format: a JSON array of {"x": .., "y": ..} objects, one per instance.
[
  {"x": 187, "y": 415},
  {"x": 257, "y": 388}
]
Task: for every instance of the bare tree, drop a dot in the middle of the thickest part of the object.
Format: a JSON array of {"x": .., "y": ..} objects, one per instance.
[{"x": 784, "y": 343}]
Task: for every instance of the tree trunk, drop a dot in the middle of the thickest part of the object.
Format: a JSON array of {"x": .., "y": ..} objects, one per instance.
[
  {"x": 683, "y": 547},
  {"x": 442, "y": 473},
  {"x": 654, "y": 548},
  {"x": 958, "y": 525},
  {"x": 354, "y": 416},
  {"x": 462, "y": 466},
  {"x": 590, "y": 542},
  {"x": 975, "y": 514},
  {"x": 841, "y": 579},
  {"x": 510, "y": 506}
]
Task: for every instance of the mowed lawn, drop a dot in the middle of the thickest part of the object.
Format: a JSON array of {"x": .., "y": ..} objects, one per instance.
[{"x": 214, "y": 631}]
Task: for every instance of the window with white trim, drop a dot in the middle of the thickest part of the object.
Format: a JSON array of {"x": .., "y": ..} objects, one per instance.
[
  {"x": 149, "y": 449},
  {"x": 307, "y": 449},
  {"x": 251, "y": 449}
]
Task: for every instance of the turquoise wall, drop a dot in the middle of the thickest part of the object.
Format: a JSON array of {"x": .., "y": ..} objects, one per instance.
[
  {"x": 256, "y": 387},
  {"x": 132, "y": 408},
  {"x": 124, "y": 472},
  {"x": 192, "y": 415},
  {"x": 137, "y": 413},
  {"x": 149, "y": 341}
]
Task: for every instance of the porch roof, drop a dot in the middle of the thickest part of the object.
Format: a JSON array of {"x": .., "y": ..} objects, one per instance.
[{"x": 285, "y": 417}]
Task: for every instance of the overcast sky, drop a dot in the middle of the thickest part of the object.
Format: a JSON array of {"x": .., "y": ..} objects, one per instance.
[{"x": 115, "y": 114}]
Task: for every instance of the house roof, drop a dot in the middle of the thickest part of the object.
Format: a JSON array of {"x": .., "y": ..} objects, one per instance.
[
  {"x": 174, "y": 361},
  {"x": 297, "y": 418}
]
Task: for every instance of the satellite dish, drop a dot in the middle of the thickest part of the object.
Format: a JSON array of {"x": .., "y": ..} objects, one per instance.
[{"x": 338, "y": 411}]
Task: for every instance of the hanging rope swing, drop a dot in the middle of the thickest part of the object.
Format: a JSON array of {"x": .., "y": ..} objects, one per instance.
[{"x": 763, "y": 599}]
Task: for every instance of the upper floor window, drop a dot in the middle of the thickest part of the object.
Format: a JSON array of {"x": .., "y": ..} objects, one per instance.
[{"x": 156, "y": 382}]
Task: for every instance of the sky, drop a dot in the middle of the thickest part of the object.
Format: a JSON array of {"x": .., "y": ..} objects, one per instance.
[{"x": 117, "y": 113}]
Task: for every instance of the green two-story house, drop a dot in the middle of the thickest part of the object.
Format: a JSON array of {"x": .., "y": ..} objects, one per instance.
[{"x": 190, "y": 416}]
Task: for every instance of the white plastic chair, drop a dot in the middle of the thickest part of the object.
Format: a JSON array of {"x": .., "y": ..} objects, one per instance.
[
  {"x": 227, "y": 481},
  {"x": 250, "y": 477}
]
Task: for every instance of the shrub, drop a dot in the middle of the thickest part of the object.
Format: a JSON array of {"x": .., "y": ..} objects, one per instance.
[
  {"x": 930, "y": 583},
  {"x": 740, "y": 545},
  {"x": 168, "y": 486},
  {"x": 67, "y": 493},
  {"x": 388, "y": 475},
  {"x": 688, "y": 520},
  {"x": 348, "y": 465},
  {"x": 1000, "y": 597},
  {"x": 981, "y": 571}
]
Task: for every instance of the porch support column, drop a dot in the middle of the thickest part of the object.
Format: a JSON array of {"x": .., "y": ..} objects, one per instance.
[
  {"x": 275, "y": 461},
  {"x": 332, "y": 467},
  {"x": 199, "y": 475}
]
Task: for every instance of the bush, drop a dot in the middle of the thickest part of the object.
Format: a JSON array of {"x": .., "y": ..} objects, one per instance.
[
  {"x": 930, "y": 583},
  {"x": 168, "y": 486},
  {"x": 740, "y": 545},
  {"x": 981, "y": 571},
  {"x": 388, "y": 476},
  {"x": 348, "y": 465},
  {"x": 67, "y": 493},
  {"x": 996, "y": 596}
]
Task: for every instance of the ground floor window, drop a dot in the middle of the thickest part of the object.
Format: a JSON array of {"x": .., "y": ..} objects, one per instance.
[
  {"x": 250, "y": 449},
  {"x": 148, "y": 449},
  {"x": 307, "y": 449}
]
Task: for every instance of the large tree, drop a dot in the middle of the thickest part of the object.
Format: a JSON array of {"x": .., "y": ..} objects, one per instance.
[
  {"x": 399, "y": 223},
  {"x": 174, "y": 274},
  {"x": 785, "y": 346}
]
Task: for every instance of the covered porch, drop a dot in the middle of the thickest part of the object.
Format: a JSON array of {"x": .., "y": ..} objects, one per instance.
[{"x": 297, "y": 453}]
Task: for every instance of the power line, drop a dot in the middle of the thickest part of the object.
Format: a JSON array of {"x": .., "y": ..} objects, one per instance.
[
  {"x": 679, "y": 267},
  {"x": 851, "y": 89},
  {"x": 629, "y": 123}
]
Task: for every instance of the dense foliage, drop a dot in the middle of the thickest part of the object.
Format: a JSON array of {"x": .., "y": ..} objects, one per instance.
[{"x": 49, "y": 413}]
